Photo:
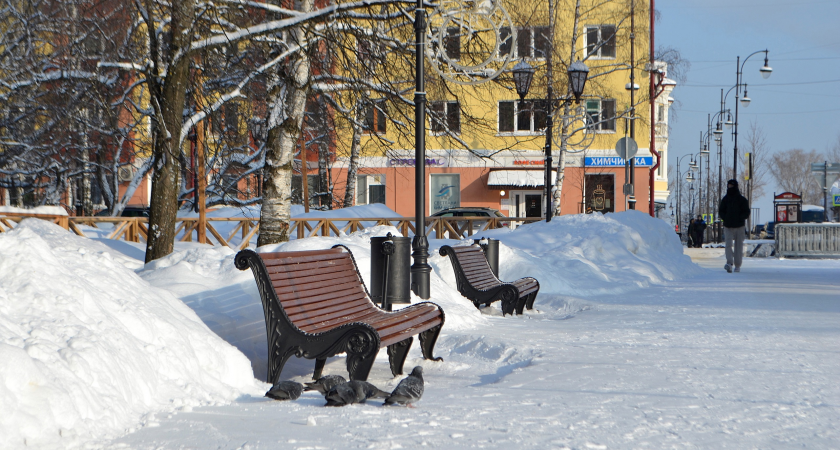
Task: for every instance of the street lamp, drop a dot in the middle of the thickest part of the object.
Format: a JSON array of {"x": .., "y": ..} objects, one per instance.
[
  {"x": 765, "y": 73},
  {"x": 523, "y": 74}
]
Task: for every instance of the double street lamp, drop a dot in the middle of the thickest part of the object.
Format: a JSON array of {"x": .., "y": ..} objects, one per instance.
[{"x": 523, "y": 74}]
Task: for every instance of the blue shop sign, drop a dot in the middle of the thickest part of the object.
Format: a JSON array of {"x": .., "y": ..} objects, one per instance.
[
  {"x": 837, "y": 200},
  {"x": 615, "y": 161}
]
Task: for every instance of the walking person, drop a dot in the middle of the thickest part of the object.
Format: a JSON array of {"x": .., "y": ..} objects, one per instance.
[
  {"x": 734, "y": 210},
  {"x": 699, "y": 230}
]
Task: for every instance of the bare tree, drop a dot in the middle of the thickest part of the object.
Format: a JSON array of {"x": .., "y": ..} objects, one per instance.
[
  {"x": 759, "y": 150},
  {"x": 792, "y": 171}
]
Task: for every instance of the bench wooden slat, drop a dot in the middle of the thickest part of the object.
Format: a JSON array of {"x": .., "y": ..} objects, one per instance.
[
  {"x": 311, "y": 282},
  {"x": 325, "y": 303},
  {"x": 288, "y": 268},
  {"x": 337, "y": 287}
]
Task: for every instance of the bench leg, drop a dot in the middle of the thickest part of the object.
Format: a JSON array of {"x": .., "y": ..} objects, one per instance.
[
  {"x": 510, "y": 300},
  {"x": 397, "y": 354},
  {"x": 428, "y": 339},
  {"x": 276, "y": 362},
  {"x": 520, "y": 304},
  {"x": 530, "y": 303},
  {"x": 362, "y": 347},
  {"x": 319, "y": 368}
]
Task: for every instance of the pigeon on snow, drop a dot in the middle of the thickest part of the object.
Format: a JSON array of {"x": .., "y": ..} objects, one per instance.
[
  {"x": 353, "y": 392},
  {"x": 325, "y": 383},
  {"x": 285, "y": 390},
  {"x": 409, "y": 390}
]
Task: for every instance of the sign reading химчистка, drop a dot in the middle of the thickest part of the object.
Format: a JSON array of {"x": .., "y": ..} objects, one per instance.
[{"x": 615, "y": 161}]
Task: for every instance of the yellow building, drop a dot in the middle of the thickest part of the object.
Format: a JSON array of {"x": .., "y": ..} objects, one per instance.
[{"x": 485, "y": 147}]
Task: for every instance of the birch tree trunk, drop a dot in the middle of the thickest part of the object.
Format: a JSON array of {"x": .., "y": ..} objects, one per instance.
[
  {"x": 353, "y": 166},
  {"x": 168, "y": 97},
  {"x": 561, "y": 163},
  {"x": 287, "y": 106}
]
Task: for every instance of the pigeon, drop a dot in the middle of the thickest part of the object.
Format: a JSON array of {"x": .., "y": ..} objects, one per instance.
[
  {"x": 353, "y": 392},
  {"x": 324, "y": 384},
  {"x": 409, "y": 390},
  {"x": 285, "y": 390}
]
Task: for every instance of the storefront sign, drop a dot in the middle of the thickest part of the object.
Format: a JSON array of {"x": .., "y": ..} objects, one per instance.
[
  {"x": 528, "y": 162},
  {"x": 445, "y": 190},
  {"x": 410, "y": 162},
  {"x": 615, "y": 161}
]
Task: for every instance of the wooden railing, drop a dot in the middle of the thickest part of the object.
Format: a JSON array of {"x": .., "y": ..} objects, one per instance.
[{"x": 239, "y": 233}]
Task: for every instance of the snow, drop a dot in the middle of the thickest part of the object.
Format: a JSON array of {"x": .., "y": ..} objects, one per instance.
[
  {"x": 49, "y": 210},
  {"x": 90, "y": 350},
  {"x": 631, "y": 345},
  {"x": 812, "y": 208},
  {"x": 517, "y": 178}
]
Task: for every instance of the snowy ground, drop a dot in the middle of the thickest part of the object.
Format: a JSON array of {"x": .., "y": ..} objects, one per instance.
[
  {"x": 632, "y": 347},
  {"x": 747, "y": 360}
]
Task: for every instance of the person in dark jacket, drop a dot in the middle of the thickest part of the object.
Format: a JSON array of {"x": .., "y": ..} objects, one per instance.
[
  {"x": 734, "y": 210},
  {"x": 699, "y": 230},
  {"x": 689, "y": 242}
]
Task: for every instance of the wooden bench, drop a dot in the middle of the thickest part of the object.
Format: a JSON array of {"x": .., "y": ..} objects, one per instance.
[
  {"x": 316, "y": 306},
  {"x": 477, "y": 282}
]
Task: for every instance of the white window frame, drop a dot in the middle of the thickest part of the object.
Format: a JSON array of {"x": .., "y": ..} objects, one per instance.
[
  {"x": 447, "y": 105},
  {"x": 599, "y": 124},
  {"x": 515, "y": 132},
  {"x": 533, "y": 49},
  {"x": 597, "y": 53},
  {"x": 363, "y": 198}
]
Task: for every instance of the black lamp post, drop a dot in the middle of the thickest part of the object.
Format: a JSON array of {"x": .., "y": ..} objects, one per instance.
[
  {"x": 420, "y": 270},
  {"x": 765, "y": 71},
  {"x": 523, "y": 74}
]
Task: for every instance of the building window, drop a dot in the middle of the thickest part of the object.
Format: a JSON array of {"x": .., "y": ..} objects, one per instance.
[
  {"x": 531, "y": 42},
  {"x": 370, "y": 189},
  {"x": 660, "y": 113},
  {"x": 602, "y": 113},
  {"x": 445, "y": 116},
  {"x": 528, "y": 116},
  {"x": 600, "y": 41},
  {"x": 375, "y": 114}
]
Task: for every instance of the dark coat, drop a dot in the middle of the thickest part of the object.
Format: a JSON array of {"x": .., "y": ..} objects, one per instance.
[
  {"x": 734, "y": 209},
  {"x": 699, "y": 227}
]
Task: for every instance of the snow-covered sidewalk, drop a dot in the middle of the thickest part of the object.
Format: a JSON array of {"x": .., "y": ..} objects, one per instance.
[{"x": 749, "y": 360}]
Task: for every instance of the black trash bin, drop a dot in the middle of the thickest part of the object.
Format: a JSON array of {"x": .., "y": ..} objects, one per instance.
[
  {"x": 491, "y": 252},
  {"x": 390, "y": 269}
]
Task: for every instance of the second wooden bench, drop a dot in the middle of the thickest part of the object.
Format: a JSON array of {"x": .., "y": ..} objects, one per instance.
[{"x": 477, "y": 282}]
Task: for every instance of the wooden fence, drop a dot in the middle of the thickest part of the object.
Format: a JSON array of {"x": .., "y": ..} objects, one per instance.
[{"x": 237, "y": 233}]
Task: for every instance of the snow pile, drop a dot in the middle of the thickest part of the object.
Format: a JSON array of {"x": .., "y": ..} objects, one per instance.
[
  {"x": 48, "y": 210},
  {"x": 227, "y": 300},
  {"x": 592, "y": 254},
  {"x": 90, "y": 350}
]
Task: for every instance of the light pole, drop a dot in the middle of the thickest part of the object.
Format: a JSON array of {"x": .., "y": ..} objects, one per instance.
[
  {"x": 523, "y": 74},
  {"x": 420, "y": 270},
  {"x": 679, "y": 193},
  {"x": 765, "y": 73}
]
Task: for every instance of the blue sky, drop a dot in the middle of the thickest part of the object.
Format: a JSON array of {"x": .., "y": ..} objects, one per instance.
[{"x": 797, "y": 107}]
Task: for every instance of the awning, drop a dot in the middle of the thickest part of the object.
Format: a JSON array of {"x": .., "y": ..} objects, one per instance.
[{"x": 517, "y": 178}]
